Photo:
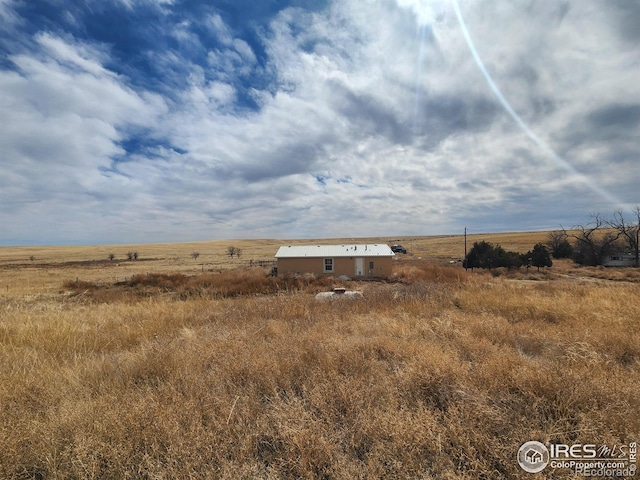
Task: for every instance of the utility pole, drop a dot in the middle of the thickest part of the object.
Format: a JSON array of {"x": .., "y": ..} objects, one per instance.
[
  {"x": 465, "y": 242},
  {"x": 465, "y": 248}
]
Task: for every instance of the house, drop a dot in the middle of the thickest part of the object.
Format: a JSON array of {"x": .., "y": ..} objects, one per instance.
[
  {"x": 619, "y": 260},
  {"x": 359, "y": 261}
]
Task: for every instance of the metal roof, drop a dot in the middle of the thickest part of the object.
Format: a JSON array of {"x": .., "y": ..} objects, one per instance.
[{"x": 359, "y": 250}]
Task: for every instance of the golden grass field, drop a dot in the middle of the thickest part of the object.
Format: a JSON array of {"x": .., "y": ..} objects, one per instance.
[{"x": 174, "y": 367}]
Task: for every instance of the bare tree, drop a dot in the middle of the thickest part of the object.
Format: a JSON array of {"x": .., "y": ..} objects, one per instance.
[
  {"x": 112, "y": 256},
  {"x": 195, "y": 255},
  {"x": 629, "y": 231},
  {"x": 558, "y": 243},
  {"x": 231, "y": 251},
  {"x": 238, "y": 252},
  {"x": 593, "y": 241},
  {"x": 130, "y": 255}
]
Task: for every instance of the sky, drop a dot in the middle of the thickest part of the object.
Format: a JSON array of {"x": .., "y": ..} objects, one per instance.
[{"x": 145, "y": 121}]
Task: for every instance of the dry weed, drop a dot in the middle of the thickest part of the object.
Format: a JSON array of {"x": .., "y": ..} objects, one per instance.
[{"x": 442, "y": 374}]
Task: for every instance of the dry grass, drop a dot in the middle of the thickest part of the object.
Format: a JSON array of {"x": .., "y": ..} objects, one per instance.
[
  {"x": 229, "y": 283},
  {"x": 44, "y": 269},
  {"x": 440, "y": 373}
]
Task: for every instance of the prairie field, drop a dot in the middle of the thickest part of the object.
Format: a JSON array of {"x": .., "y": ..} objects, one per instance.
[{"x": 172, "y": 366}]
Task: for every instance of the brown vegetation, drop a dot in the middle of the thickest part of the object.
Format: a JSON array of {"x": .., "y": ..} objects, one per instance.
[
  {"x": 438, "y": 373},
  {"x": 230, "y": 283}
]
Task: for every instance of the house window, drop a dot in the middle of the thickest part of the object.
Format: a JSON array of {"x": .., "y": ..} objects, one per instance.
[
  {"x": 328, "y": 264},
  {"x": 370, "y": 265}
]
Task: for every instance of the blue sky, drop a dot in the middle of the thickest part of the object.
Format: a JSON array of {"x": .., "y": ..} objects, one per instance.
[{"x": 130, "y": 121}]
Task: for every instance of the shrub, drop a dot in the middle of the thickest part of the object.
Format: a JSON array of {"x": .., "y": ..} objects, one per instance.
[
  {"x": 231, "y": 283},
  {"x": 441, "y": 374},
  {"x": 540, "y": 256},
  {"x": 485, "y": 255}
]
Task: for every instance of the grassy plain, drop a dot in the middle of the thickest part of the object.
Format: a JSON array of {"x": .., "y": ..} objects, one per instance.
[{"x": 206, "y": 368}]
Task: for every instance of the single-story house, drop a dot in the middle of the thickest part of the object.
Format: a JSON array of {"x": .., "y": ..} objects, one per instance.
[{"x": 359, "y": 261}]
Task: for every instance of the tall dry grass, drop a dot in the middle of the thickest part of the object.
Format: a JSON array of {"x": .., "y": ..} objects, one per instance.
[{"x": 439, "y": 374}]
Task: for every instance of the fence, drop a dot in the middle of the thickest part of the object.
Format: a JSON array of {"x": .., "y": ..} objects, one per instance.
[{"x": 263, "y": 263}]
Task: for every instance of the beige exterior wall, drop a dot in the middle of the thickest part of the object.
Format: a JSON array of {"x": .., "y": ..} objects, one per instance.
[{"x": 382, "y": 266}]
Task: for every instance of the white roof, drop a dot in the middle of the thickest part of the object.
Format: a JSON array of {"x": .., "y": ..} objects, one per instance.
[{"x": 359, "y": 250}]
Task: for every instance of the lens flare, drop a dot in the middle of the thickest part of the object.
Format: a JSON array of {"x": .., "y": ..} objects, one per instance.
[{"x": 546, "y": 149}]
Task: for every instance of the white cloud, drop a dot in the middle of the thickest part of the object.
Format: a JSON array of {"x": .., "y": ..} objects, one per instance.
[
  {"x": 372, "y": 118},
  {"x": 220, "y": 29},
  {"x": 347, "y": 97},
  {"x": 68, "y": 114},
  {"x": 8, "y": 17},
  {"x": 130, "y": 4},
  {"x": 245, "y": 51}
]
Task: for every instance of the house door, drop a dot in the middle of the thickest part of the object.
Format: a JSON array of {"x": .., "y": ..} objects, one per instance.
[{"x": 359, "y": 267}]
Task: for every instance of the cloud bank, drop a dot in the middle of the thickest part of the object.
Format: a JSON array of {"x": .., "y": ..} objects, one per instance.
[{"x": 154, "y": 120}]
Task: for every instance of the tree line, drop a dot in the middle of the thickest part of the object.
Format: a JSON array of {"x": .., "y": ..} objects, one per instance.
[
  {"x": 486, "y": 255},
  {"x": 586, "y": 244},
  {"x": 594, "y": 241}
]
